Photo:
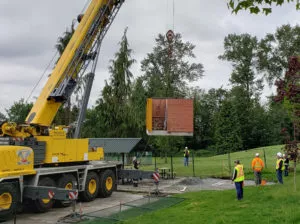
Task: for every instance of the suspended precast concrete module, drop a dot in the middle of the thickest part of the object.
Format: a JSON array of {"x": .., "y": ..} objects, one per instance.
[{"x": 167, "y": 116}]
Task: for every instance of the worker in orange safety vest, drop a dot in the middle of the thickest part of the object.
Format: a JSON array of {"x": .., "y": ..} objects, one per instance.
[{"x": 257, "y": 166}]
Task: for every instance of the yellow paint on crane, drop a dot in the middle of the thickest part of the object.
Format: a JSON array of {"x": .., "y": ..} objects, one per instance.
[
  {"x": 5, "y": 201},
  {"x": 149, "y": 115},
  {"x": 109, "y": 183},
  {"x": 44, "y": 110},
  {"x": 60, "y": 149},
  {"x": 92, "y": 186},
  {"x": 16, "y": 161}
]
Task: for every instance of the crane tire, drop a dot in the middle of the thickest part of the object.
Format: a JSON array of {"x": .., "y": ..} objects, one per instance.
[
  {"x": 8, "y": 193},
  {"x": 43, "y": 205},
  {"x": 66, "y": 181},
  {"x": 107, "y": 183},
  {"x": 91, "y": 187}
]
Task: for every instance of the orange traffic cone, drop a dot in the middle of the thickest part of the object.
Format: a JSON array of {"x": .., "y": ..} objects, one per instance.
[{"x": 263, "y": 182}]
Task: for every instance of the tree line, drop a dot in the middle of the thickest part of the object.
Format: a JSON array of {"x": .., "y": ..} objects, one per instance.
[{"x": 225, "y": 120}]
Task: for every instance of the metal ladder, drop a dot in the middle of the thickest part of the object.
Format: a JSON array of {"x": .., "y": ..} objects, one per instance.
[{"x": 81, "y": 175}]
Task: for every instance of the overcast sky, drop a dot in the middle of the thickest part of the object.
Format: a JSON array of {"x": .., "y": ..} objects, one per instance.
[{"x": 29, "y": 30}]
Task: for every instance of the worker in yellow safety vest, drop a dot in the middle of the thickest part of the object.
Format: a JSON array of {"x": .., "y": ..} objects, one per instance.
[
  {"x": 238, "y": 179},
  {"x": 257, "y": 166},
  {"x": 279, "y": 167},
  {"x": 186, "y": 156}
]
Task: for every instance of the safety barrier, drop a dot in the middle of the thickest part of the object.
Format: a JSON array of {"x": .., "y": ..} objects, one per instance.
[{"x": 125, "y": 211}]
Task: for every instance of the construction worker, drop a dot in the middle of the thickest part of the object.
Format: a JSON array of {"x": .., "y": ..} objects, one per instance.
[
  {"x": 135, "y": 163},
  {"x": 279, "y": 167},
  {"x": 186, "y": 155},
  {"x": 136, "y": 166},
  {"x": 286, "y": 162},
  {"x": 238, "y": 179},
  {"x": 257, "y": 166}
]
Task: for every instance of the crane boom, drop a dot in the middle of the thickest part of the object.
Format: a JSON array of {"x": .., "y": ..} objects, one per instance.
[{"x": 63, "y": 79}]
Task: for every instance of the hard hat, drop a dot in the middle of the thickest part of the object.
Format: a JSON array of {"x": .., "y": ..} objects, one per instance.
[
  {"x": 134, "y": 158},
  {"x": 279, "y": 154},
  {"x": 256, "y": 154},
  {"x": 186, "y": 147}
]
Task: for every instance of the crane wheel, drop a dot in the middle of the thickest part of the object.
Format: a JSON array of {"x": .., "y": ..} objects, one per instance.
[
  {"x": 67, "y": 182},
  {"x": 91, "y": 187},
  {"x": 107, "y": 183},
  {"x": 43, "y": 205},
  {"x": 9, "y": 198}
]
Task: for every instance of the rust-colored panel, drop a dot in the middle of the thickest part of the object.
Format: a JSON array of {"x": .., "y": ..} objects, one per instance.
[
  {"x": 173, "y": 115},
  {"x": 180, "y": 115},
  {"x": 158, "y": 107},
  {"x": 158, "y": 114}
]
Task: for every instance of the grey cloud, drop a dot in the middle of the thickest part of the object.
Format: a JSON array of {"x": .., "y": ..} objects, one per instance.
[{"x": 29, "y": 30}]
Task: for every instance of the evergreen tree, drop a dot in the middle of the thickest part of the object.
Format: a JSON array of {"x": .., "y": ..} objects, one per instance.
[
  {"x": 206, "y": 106},
  {"x": 113, "y": 106},
  {"x": 137, "y": 113},
  {"x": 227, "y": 132}
]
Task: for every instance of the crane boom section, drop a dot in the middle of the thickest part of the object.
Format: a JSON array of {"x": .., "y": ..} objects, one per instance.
[{"x": 67, "y": 67}]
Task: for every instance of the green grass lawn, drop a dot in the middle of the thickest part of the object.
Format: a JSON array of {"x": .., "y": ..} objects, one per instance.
[
  {"x": 217, "y": 166},
  {"x": 264, "y": 204}
]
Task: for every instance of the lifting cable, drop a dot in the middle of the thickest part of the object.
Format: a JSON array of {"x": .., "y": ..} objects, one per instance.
[
  {"x": 46, "y": 69},
  {"x": 85, "y": 6},
  {"x": 51, "y": 61},
  {"x": 173, "y": 15},
  {"x": 170, "y": 20}
]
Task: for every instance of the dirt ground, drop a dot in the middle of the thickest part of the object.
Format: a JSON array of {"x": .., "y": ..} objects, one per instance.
[{"x": 127, "y": 193}]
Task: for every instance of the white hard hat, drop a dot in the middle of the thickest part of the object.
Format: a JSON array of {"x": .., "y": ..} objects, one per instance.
[
  {"x": 256, "y": 154},
  {"x": 186, "y": 147},
  {"x": 134, "y": 158},
  {"x": 279, "y": 154}
]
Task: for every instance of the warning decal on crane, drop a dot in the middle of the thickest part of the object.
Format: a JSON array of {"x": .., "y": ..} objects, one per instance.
[
  {"x": 50, "y": 194},
  {"x": 73, "y": 195}
]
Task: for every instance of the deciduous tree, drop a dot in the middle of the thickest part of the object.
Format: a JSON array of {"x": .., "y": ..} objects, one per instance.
[
  {"x": 258, "y": 6},
  {"x": 18, "y": 111},
  {"x": 274, "y": 51},
  {"x": 167, "y": 72}
]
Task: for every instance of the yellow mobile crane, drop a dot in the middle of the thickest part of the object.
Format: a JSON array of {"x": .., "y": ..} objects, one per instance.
[{"x": 36, "y": 161}]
